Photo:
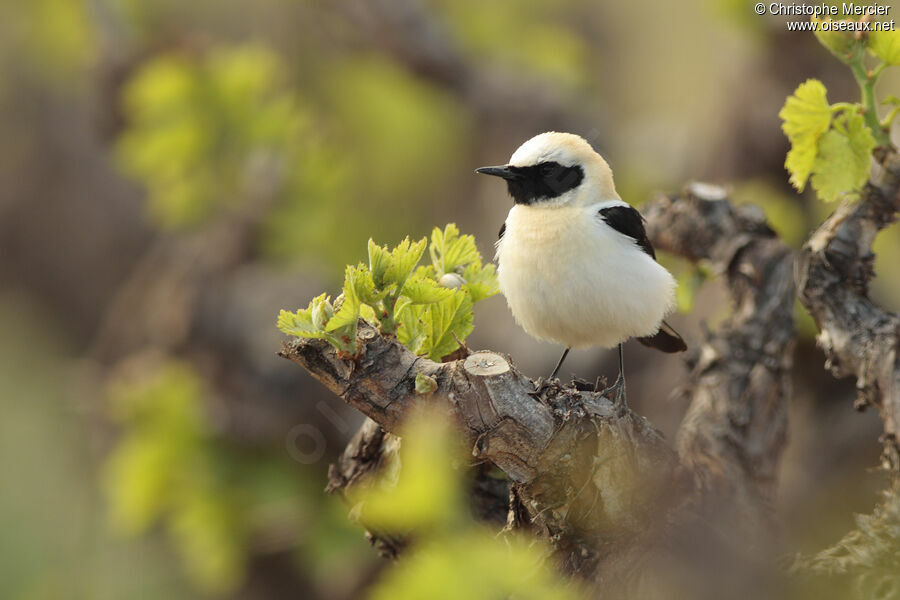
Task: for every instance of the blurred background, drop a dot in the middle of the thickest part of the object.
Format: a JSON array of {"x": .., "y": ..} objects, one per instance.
[{"x": 174, "y": 173}]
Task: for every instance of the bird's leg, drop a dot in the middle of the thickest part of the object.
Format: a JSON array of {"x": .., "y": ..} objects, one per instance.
[
  {"x": 619, "y": 386},
  {"x": 620, "y": 380},
  {"x": 559, "y": 364},
  {"x": 541, "y": 384}
]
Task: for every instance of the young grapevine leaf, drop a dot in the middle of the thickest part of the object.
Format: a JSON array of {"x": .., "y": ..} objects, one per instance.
[
  {"x": 368, "y": 313},
  {"x": 357, "y": 283},
  {"x": 420, "y": 478},
  {"x": 480, "y": 281},
  {"x": 404, "y": 299},
  {"x": 421, "y": 290},
  {"x": 886, "y": 46},
  {"x": 379, "y": 260},
  {"x": 443, "y": 321},
  {"x": 411, "y": 331},
  {"x": 404, "y": 259},
  {"x": 425, "y": 384},
  {"x": 840, "y": 43},
  {"x": 449, "y": 250},
  {"x": 303, "y": 323},
  {"x": 806, "y": 115},
  {"x": 394, "y": 266},
  {"x": 843, "y": 161}
]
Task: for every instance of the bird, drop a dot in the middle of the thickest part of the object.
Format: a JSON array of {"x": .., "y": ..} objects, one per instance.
[{"x": 574, "y": 261}]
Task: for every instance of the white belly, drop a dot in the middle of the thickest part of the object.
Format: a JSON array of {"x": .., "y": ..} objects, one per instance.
[{"x": 571, "y": 279}]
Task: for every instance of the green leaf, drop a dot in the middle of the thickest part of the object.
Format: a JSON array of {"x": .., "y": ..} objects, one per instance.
[
  {"x": 411, "y": 330},
  {"x": 211, "y": 540},
  {"x": 844, "y": 158},
  {"x": 420, "y": 290},
  {"x": 320, "y": 321},
  {"x": 168, "y": 471},
  {"x": 379, "y": 260},
  {"x": 404, "y": 259},
  {"x": 449, "y": 250},
  {"x": 402, "y": 303},
  {"x": 476, "y": 565},
  {"x": 404, "y": 299},
  {"x": 368, "y": 313},
  {"x": 425, "y": 384},
  {"x": 198, "y": 126},
  {"x": 442, "y": 321},
  {"x": 302, "y": 323},
  {"x": 322, "y": 312},
  {"x": 481, "y": 281},
  {"x": 357, "y": 282},
  {"x": 426, "y": 271},
  {"x": 420, "y": 487},
  {"x": 357, "y": 285},
  {"x": 806, "y": 115},
  {"x": 841, "y": 44},
  {"x": 886, "y": 46},
  {"x": 137, "y": 482},
  {"x": 348, "y": 311},
  {"x": 365, "y": 286}
]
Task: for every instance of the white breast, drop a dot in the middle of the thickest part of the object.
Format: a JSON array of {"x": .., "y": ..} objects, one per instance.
[{"x": 571, "y": 279}]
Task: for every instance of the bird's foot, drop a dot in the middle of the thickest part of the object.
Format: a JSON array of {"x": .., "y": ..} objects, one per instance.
[
  {"x": 583, "y": 385},
  {"x": 619, "y": 401},
  {"x": 541, "y": 385}
]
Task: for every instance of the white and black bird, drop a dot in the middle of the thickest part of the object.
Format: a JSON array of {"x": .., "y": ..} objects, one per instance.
[{"x": 574, "y": 261}]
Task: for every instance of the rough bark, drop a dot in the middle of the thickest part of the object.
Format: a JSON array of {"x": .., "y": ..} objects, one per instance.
[
  {"x": 860, "y": 338},
  {"x": 587, "y": 472},
  {"x": 734, "y": 432}
]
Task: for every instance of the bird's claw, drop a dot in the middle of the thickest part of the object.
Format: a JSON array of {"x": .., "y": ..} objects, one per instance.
[
  {"x": 540, "y": 386},
  {"x": 583, "y": 385},
  {"x": 619, "y": 401}
]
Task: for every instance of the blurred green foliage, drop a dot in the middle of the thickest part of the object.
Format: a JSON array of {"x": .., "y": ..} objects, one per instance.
[
  {"x": 164, "y": 468},
  {"x": 50, "y": 508},
  {"x": 205, "y": 135},
  {"x": 389, "y": 142},
  {"x": 53, "y": 40},
  {"x": 214, "y": 499},
  {"x": 223, "y": 132},
  {"x": 477, "y": 565},
  {"x": 545, "y": 43},
  {"x": 425, "y": 479},
  {"x": 420, "y": 493},
  {"x": 428, "y": 308}
]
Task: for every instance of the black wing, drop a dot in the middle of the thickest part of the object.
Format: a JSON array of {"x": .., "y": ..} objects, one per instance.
[
  {"x": 628, "y": 221},
  {"x": 666, "y": 340},
  {"x": 502, "y": 231}
]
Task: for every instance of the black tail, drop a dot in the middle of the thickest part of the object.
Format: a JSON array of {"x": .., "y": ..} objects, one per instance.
[{"x": 666, "y": 339}]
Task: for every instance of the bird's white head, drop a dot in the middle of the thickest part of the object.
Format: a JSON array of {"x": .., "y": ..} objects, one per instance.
[{"x": 556, "y": 169}]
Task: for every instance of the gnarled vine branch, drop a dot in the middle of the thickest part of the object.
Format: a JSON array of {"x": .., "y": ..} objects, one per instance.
[
  {"x": 859, "y": 337},
  {"x": 735, "y": 429}
]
